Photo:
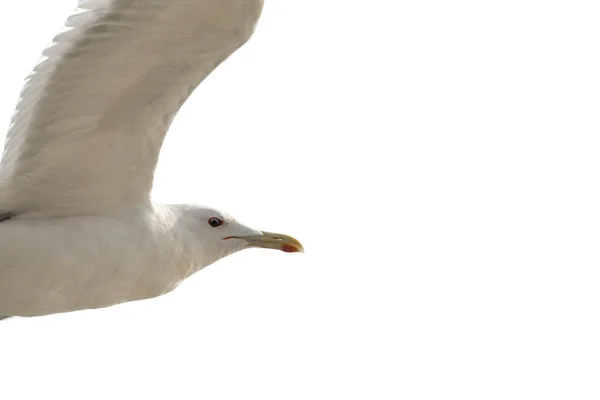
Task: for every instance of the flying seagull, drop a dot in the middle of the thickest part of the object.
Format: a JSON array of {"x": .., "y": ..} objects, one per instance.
[{"x": 78, "y": 229}]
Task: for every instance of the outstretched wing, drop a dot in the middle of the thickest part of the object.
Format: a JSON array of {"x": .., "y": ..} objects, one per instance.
[{"x": 93, "y": 114}]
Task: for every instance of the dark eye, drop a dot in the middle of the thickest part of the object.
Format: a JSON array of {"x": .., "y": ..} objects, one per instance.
[{"x": 215, "y": 222}]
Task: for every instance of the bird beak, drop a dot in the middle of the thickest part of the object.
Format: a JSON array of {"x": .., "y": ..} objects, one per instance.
[{"x": 277, "y": 241}]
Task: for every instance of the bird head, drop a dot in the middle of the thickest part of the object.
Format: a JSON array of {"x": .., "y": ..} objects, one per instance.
[{"x": 221, "y": 235}]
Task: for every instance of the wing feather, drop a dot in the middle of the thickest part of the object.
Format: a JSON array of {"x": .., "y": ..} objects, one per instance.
[{"x": 87, "y": 130}]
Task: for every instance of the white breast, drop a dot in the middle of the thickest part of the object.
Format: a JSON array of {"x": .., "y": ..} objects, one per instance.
[{"x": 68, "y": 264}]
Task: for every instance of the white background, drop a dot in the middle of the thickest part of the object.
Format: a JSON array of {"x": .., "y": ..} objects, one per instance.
[{"x": 439, "y": 160}]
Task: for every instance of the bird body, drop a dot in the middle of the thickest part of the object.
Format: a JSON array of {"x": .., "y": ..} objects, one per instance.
[
  {"x": 77, "y": 227},
  {"x": 69, "y": 263}
]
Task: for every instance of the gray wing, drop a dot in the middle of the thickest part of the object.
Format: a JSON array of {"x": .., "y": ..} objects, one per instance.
[
  {"x": 4, "y": 317},
  {"x": 93, "y": 114}
]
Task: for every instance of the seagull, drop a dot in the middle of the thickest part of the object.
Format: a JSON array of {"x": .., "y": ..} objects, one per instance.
[{"x": 78, "y": 229}]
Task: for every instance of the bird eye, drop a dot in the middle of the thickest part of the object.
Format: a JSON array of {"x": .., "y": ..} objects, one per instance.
[{"x": 215, "y": 222}]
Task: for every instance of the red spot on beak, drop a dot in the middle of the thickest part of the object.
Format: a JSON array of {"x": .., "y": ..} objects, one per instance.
[{"x": 288, "y": 248}]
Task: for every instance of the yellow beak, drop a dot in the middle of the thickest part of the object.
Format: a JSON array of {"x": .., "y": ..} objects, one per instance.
[{"x": 277, "y": 241}]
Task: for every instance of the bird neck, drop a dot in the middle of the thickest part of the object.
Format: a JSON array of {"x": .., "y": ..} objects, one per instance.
[{"x": 181, "y": 223}]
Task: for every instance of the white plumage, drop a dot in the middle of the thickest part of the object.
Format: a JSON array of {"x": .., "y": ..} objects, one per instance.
[{"x": 80, "y": 230}]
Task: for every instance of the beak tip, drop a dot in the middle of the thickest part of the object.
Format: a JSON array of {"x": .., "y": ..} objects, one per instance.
[{"x": 289, "y": 248}]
